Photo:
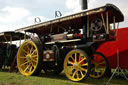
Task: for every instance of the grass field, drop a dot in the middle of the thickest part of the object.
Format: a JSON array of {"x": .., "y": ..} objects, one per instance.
[{"x": 14, "y": 78}]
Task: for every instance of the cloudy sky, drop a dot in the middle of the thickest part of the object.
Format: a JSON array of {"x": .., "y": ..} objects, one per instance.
[{"x": 16, "y": 14}]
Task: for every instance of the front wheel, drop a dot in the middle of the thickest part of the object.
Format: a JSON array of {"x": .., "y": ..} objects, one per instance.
[{"x": 77, "y": 65}]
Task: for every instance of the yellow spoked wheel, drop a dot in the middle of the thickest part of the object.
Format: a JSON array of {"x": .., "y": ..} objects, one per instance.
[
  {"x": 76, "y": 65},
  {"x": 99, "y": 65},
  {"x": 29, "y": 58}
]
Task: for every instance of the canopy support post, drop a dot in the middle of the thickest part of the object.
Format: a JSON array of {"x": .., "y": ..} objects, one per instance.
[
  {"x": 20, "y": 42},
  {"x": 114, "y": 26},
  {"x": 25, "y": 36},
  {"x": 10, "y": 39},
  {"x": 88, "y": 26},
  {"x": 107, "y": 22},
  {"x": 117, "y": 28},
  {"x": 103, "y": 22}
]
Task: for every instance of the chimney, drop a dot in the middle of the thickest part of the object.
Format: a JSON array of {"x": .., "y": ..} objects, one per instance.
[
  {"x": 84, "y": 4},
  {"x": 84, "y": 20}
]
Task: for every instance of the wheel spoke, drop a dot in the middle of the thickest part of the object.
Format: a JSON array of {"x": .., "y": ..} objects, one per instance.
[
  {"x": 28, "y": 47},
  {"x": 81, "y": 73},
  {"x": 24, "y": 63},
  {"x": 82, "y": 60},
  {"x": 30, "y": 69},
  {"x": 25, "y": 51},
  {"x": 33, "y": 52},
  {"x": 75, "y": 57},
  {"x": 83, "y": 69},
  {"x": 23, "y": 57},
  {"x": 100, "y": 63},
  {"x": 31, "y": 49},
  {"x": 84, "y": 64},
  {"x": 77, "y": 75},
  {"x": 96, "y": 73},
  {"x": 34, "y": 56},
  {"x": 102, "y": 69},
  {"x": 69, "y": 62},
  {"x": 74, "y": 73},
  {"x": 72, "y": 58},
  {"x": 26, "y": 68},
  {"x": 92, "y": 72},
  {"x": 79, "y": 58},
  {"x": 92, "y": 69},
  {"x": 100, "y": 59},
  {"x": 32, "y": 63},
  {"x": 34, "y": 60}
]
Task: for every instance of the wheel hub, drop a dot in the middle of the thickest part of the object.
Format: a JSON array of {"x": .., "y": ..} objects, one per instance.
[
  {"x": 76, "y": 65},
  {"x": 28, "y": 57}
]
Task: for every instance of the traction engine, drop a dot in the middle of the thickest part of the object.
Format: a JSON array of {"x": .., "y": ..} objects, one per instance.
[{"x": 69, "y": 43}]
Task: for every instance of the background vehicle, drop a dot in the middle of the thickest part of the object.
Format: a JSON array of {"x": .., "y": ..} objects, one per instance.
[{"x": 8, "y": 50}]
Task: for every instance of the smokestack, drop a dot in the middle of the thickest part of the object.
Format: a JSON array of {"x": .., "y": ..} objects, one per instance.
[{"x": 84, "y": 4}]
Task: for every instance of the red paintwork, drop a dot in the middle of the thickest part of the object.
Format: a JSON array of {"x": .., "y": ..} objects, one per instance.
[{"x": 109, "y": 49}]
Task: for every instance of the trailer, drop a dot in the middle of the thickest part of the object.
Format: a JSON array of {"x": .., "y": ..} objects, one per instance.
[{"x": 69, "y": 43}]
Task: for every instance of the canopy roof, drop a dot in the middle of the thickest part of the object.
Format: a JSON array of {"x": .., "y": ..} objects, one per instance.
[
  {"x": 11, "y": 36},
  {"x": 74, "y": 21}
]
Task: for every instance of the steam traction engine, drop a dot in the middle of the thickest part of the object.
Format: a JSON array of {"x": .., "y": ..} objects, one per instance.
[{"x": 69, "y": 43}]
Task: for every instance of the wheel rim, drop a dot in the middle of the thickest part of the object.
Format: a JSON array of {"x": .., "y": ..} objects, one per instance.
[
  {"x": 76, "y": 65},
  {"x": 99, "y": 66},
  {"x": 27, "y": 58}
]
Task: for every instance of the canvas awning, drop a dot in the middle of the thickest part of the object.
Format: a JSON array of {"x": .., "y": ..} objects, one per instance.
[
  {"x": 74, "y": 20},
  {"x": 11, "y": 36}
]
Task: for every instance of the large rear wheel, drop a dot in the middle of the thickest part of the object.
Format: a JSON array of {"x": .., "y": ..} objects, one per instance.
[
  {"x": 77, "y": 65},
  {"x": 29, "y": 59},
  {"x": 99, "y": 65}
]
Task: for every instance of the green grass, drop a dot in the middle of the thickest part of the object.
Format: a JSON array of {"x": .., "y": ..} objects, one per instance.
[{"x": 14, "y": 78}]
